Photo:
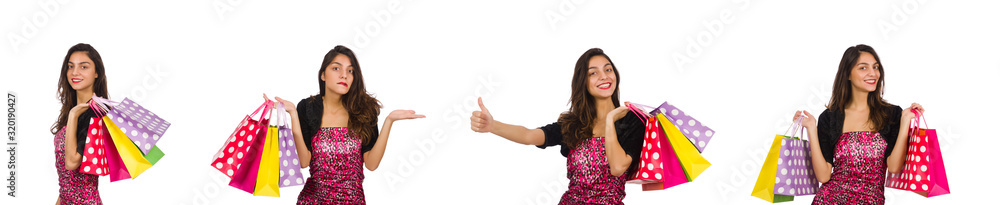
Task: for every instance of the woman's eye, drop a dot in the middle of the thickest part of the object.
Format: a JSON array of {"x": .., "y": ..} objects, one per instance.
[{"x": 350, "y": 71}]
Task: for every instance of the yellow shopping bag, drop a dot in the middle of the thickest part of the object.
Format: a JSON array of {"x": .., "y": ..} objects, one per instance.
[
  {"x": 134, "y": 160},
  {"x": 691, "y": 160},
  {"x": 764, "y": 188},
  {"x": 267, "y": 173}
]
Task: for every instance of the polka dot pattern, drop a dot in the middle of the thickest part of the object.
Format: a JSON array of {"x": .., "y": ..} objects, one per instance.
[
  {"x": 141, "y": 126},
  {"x": 658, "y": 163},
  {"x": 94, "y": 159},
  {"x": 795, "y": 175},
  {"x": 923, "y": 170},
  {"x": 231, "y": 155},
  {"x": 288, "y": 159},
  {"x": 235, "y": 150},
  {"x": 697, "y": 133}
]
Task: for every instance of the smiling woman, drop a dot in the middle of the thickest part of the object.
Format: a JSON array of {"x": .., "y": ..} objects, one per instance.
[
  {"x": 81, "y": 76},
  {"x": 600, "y": 141},
  {"x": 859, "y": 134}
]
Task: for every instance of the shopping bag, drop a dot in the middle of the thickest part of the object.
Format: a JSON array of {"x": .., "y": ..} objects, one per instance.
[
  {"x": 787, "y": 171},
  {"x": 129, "y": 153},
  {"x": 290, "y": 170},
  {"x": 923, "y": 171},
  {"x": 245, "y": 177},
  {"x": 230, "y": 155},
  {"x": 116, "y": 167},
  {"x": 690, "y": 159},
  {"x": 267, "y": 172},
  {"x": 659, "y": 166},
  {"x": 794, "y": 174},
  {"x": 698, "y": 134},
  {"x": 144, "y": 128},
  {"x": 764, "y": 188},
  {"x": 94, "y": 160}
]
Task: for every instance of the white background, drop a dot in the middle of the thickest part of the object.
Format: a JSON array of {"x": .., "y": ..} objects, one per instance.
[{"x": 203, "y": 65}]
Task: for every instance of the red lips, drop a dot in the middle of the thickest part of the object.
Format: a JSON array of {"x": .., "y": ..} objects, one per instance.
[
  {"x": 599, "y": 86},
  {"x": 342, "y": 83}
]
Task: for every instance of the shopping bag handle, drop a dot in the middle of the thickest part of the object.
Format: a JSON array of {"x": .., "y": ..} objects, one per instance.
[
  {"x": 638, "y": 112},
  {"x": 274, "y": 114},
  {"x": 641, "y": 105},
  {"x": 100, "y": 105},
  {"x": 281, "y": 114},
  {"x": 671, "y": 118},
  {"x": 916, "y": 125},
  {"x": 919, "y": 118},
  {"x": 261, "y": 109},
  {"x": 798, "y": 126}
]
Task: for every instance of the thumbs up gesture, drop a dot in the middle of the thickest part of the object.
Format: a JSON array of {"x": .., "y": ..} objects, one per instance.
[{"x": 482, "y": 120}]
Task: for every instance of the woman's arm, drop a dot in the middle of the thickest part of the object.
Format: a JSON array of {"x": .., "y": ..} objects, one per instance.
[
  {"x": 373, "y": 157},
  {"x": 616, "y": 156},
  {"x": 821, "y": 167},
  {"x": 482, "y": 122},
  {"x": 72, "y": 158},
  {"x": 897, "y": 158}
]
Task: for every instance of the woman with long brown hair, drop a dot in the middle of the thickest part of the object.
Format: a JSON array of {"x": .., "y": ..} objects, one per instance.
[
  {"x": 860, "y": 135},
  {"x": 600, "y": 140},
  {"x": 81, "y": 77},
  {"x": 336, "y": 131}
]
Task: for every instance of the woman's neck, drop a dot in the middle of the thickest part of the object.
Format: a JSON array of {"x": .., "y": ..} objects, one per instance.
[
  {"x": 603, "y": 106},
  {"x": 82, "y": 96},
  {"x": 859, "y": 100},
  {"x": 332, "y": 101}
]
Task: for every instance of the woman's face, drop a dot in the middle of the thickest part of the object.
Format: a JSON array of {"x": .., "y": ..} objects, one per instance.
[
  {"x": 866, "y": 72},
  {"x": 338, "y": 75},
  {"x": 81, "y": 73},
  {"x": 601, "y": 79}
]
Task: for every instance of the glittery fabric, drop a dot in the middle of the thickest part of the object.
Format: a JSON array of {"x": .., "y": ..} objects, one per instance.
[
  {"x": 74, "y": 187},
  {"x": 590, "y": 176},
  {"x": 335, "y": 169},
  {"x": 858, "y": 171}
]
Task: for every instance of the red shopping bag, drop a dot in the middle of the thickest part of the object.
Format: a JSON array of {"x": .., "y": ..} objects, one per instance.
[
  {"x": 245, "y": 177},
  {"x": 94, "y": 160},
  {"x": 659, "y": 167},
  {"x": 230, "y": 156},
  {"x": 923, "y": 172}
]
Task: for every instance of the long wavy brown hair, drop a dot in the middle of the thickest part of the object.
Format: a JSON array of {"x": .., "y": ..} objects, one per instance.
[
  {"x": 878, "y": 112},
  {"x": 577, "y": 124},
  {"x": 66, "y": 93},
  {"x": 362, "y": 107}
]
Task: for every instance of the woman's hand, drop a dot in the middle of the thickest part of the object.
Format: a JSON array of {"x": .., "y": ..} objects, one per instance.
[
  {"x": 808, "y": 121},
  {"x": 77, "y": 110},
  {"x": 482, "y": 121},
  {"x": 403, "y": 115},
  {"x": 909, "y": 115},
  {"x": 618, "y": 113}
]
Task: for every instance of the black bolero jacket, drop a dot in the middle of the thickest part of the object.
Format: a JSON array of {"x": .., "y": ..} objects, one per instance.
[
  {"x": 630, "y": 130},
  {"x": 310, "y": 112}
]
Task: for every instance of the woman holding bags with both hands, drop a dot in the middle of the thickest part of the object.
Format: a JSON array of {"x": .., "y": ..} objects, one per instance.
[
  {"x": 336, "y": 132},
  {"x": 859, "y": 136},
  {"x": 600, "y": 140}
]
